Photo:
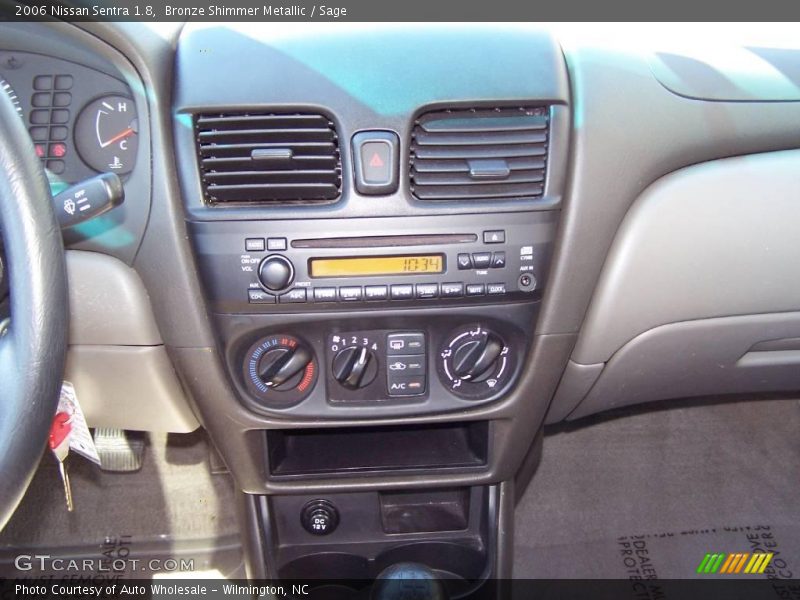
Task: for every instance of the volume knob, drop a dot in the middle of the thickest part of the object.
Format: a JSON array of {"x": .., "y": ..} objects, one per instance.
[{"x": 276, "y": 272}]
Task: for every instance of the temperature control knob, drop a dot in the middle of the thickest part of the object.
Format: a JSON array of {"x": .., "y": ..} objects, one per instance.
[
  {"x": 355, "y": 367},
  {"x": 475, "y": 362},
  {"x": 276, "y": 272},
  {"x": 280, "y": 367},
  {"x": 280, "y": 370}
]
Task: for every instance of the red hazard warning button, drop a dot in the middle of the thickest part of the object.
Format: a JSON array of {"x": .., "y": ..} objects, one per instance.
[
  {"x": 376, "y": 161},
  {"x": 376, "y": 158}
]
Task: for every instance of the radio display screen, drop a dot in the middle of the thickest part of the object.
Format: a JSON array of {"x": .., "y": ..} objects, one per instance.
[{"x": 376, "y": 265}]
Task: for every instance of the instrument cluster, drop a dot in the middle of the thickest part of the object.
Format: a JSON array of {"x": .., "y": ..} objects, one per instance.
[{"x": 82, "y": 121}]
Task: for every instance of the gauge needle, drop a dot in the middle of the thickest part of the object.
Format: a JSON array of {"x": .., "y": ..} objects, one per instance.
[{"x": 120, "y": 136}]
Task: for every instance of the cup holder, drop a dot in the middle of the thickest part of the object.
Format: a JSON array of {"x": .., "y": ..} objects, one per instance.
[
  {"x": 450, "y": 560},
  {"x": 342, "y": 575}
]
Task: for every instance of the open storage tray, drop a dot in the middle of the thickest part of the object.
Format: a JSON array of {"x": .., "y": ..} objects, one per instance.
[{"x": 368, "y": 449}]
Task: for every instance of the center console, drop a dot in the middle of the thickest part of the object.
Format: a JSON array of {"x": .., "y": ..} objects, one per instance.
[
  {"x": 374, "y": 256},
  {"x": 366, "y": 321}
]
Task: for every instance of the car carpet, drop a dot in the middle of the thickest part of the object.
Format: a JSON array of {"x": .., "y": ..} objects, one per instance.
[
  {"x": 172, "y": 507},
  {"x": 647, "y": 493}
]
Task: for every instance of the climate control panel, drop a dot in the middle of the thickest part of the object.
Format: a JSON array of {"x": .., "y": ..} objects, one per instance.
[
  {"x": 377, "y": 366},
  {"x": 440, "y": 367}
]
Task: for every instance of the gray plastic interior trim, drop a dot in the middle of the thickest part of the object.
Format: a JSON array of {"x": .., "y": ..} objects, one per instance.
[
  {"x": 575, "y": 383},
  {"x": 698, "y": 358},
  {"x": 712, "y": 240},
  {"x": 629, "y": 130},
  {"x": 108, "y": 303},
  {"x": 730, "y": 72},
  {"x": 770, "y": 358},
  {"x": 132, "y": 387}
]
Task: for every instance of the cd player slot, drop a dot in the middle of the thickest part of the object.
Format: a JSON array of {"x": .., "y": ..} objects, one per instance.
[{"x": 379, "y": 241}]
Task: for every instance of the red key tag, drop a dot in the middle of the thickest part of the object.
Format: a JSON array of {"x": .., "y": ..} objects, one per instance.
[
  {"x": 58, "y": 441},
  {"x": 59, "y": 430}
]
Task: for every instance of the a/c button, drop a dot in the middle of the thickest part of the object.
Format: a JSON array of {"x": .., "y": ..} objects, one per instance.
[{"x": 406, "y": 386}]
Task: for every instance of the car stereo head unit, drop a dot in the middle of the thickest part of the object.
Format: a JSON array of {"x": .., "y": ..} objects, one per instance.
[{"x": 250, "y": 270}]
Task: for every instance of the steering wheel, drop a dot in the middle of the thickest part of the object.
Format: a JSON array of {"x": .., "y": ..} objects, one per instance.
[{"x": 33, "y": 342}]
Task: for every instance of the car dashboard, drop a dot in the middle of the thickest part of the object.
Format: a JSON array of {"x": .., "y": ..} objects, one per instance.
[{"x": 372, "y": 261}]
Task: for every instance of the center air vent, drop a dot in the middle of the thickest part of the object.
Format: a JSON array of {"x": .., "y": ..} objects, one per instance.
[
  {"x": 268, "y": 158},
  {"x": 480, "y": 154}
]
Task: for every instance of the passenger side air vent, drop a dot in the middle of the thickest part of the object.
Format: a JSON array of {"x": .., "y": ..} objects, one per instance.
[
  {"x": 268, "y": 158},
  {"x": 480, "y": 154}
]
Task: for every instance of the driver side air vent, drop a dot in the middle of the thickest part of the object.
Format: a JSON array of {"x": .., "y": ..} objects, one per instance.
[
  {"x": 268, "y": 158},
  {"x": 490, "y": 154}
]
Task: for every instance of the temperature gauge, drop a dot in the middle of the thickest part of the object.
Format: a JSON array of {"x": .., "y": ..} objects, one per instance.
[{"x": 106, "y": 134}]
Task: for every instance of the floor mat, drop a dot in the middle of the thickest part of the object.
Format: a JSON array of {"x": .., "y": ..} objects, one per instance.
[
  {"x": 649, "y": 494},
  {"x": 172, "y": 507}
]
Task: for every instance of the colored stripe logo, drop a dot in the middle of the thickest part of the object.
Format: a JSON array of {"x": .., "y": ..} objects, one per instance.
[{"x": 732, "y": 564}]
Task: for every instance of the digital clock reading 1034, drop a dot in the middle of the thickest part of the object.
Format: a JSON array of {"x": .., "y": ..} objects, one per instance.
[{"x": 376, "y": 265}]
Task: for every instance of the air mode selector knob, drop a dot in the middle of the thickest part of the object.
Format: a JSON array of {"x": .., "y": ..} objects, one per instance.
[
  {"x": 276, "y": 272},
  {"x": 476, "y": 363},
  {"x": 475, "y": 359}
]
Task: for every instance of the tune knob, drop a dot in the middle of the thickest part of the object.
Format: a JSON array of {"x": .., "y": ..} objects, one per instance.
[
  {"x": 276, "y": 272},
  {"x": 355, "y": 367},
  {"x": 280, "y": 370},
  {"x": 475, "y": 362}
]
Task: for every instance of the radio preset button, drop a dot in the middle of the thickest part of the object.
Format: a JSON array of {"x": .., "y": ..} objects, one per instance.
[
  {"x": 260, "y": 297},
  {"x": 482, "y": 260},
  {"x": 427, "y": 290},
  {"x": 295, "y": 296},
  {"x": 498, "y": 260},
  {"x": 494, "y": 237},
  {"x": 254, "y": 244},
  {"x": 464, "y": 261},
  {"x": 376, "y": 292},
  {"x": 402, "y": 291},
  {"x": 398, "y": 344},
  {"x": 350, "y": 294},
  {"x": 494, "y": 289},
  {"x": 452, "y": 290},
  {"x": 476, "y": 289},
  {"x": 326, "y": 294},
  {"x": 276, "y": 244}
]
